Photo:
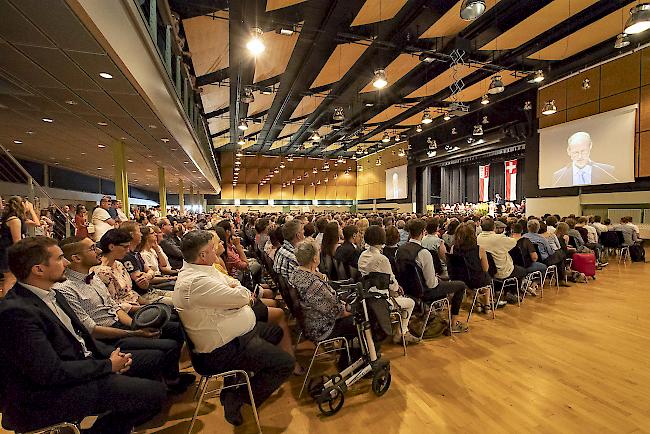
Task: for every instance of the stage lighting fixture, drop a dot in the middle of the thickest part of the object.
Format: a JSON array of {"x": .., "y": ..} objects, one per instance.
[
  {"x": 496, "y": 85},
  {"x": 431, "y": 154},
  {"x": 622, "y": 41},
  {"x": 241, "y": 141},
  {"x": 536, "y": 77},
  {"x": 243, "y": 125},
  {"x": 549, "y": 108},
  {"x": 472, "y": 9},
  {"x": 380, "y": 80},
  {"x": 453, "y": 131},
  {"x": 426, "y": 117},
  {"x": 248, "y": 97},
  {"x": 338, "y": 114},
  {"x": 378, "y": 162},
  {"x": 315, "y": 137},
  {"x": 528, "y": 105},
  {"x": 478, "y": 130},
  {"x": 485, "y": 120},
  {"x": 418, "y": 129},
  {"x": 485, "y": 99},
  {"x": 446, "y": 117},
  {"x": 639, "y": 20},
  {"x": 290, "y": 158},
  {"x": 256, "y": 45},
  {"x": 586, "y": 84},
  {"x": 386, "y": 138},
  {"x": 239, "y": 154}
]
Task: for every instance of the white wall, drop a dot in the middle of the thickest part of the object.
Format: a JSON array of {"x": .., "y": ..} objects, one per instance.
[
  {"x": 566, "y": 205},
  {"x": 563, "y": 206}
]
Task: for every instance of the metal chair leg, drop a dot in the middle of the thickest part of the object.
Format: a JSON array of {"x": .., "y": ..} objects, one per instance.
[
  {"x": 316, "y": 354},
  {"x": 252, "y": 399},
  {"x": 198, "y": 405}
]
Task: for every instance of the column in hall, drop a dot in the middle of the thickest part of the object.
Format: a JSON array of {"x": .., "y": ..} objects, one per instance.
[
  {"x": 162, "y": 191},
  {"x": 181, "y": 197},
  {"x": 191, "y": 197},
  {"x": 121, "y": 179}
]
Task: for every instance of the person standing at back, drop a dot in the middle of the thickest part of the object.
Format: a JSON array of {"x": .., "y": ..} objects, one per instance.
[{"x": 101, "y": 219}]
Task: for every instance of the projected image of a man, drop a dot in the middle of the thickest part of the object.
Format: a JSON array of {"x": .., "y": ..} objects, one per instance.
[{"x": 582, "y": 170}]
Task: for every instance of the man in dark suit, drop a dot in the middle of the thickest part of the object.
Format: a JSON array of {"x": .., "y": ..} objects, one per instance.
[
  {"x": 52, "y": 370},
  {"x": 348, "y": 253},
  {"x": 582, "y": 170}
]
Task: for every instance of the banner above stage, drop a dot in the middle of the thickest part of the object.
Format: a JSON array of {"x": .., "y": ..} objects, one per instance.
[
  {"x": 483, "y": 182},
  {"x": 511, "y": 180}
]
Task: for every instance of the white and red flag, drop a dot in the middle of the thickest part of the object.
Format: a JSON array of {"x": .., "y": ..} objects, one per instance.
[
  {"x": 483, "y": 182},
  {"x": 511, "y": 180}
]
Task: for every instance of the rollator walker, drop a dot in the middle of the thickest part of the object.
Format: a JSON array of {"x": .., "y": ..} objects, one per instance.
[{"x": 329, "y": 391}]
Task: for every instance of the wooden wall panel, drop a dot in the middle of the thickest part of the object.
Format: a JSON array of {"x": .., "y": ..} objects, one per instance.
[
  {"x": 298, "y": 192},
  {"x": 276, "y": 191},
  {"x": 619, "y": 100},
  {"x": 264, "y": 191},
  {"x": 644, "y": 109},
  {"x": 239, "y": 191},
  {"x": 620, "y": 75},
  {"x": 582, "y": 111},
  {"x": 576, "y": 94},
  {"x": 557, "y": 118},
  {"x": 557, "y": 92},
  {"x": 227, "y": 191},
  {"x": 645, "y": 67},
  {"x": 251, "y": 191}
]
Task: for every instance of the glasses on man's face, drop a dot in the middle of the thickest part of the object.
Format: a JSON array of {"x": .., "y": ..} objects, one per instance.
[{"x": 125, "y": 245}]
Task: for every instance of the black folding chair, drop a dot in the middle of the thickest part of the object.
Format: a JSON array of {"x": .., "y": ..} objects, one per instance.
[{"x": 458, "y": 270}]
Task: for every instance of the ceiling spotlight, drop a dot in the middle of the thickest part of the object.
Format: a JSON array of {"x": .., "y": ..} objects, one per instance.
[
  {"x": 48, "y": 120},
  {"x": 447, "y": 116},
  {"x": 426, "y": 117},
  {"x": 164, "y": 140},
  {"x": 130, "y": 161},
  {"x": 431, "y": 154},
  {"x": 256, "y": 45},
  {"x": 268, "y": 90},
  {"x": 338, "y": 114},
  {"x": 360, "y": 168},
  {"x": 336, "y": 175},
  {"x": 622, "y": 41},
  {"x": 536, "y": 77},
  {"x": 453, "y": 131},
  {"x": 418, "y": 129},
  {"x": 340, "y": 160},
  {"x": 586, "y": 84},
  {"x": 326, "y": 180},
  {"x": 378, "y": 162},
  {"x": 496, "y": 86},
  {"x": 241, "y": 141},
  {"x": 105, "y": 75},
  {"x": 318, "y": 182},
  {"x": 401, "y": 152},
  {"x": 290, "y": 158},
  {"x": 528, "y": 105},
  {"x": 71, "y": 102},
  {"x": 369, "y": 104},
  {"x": 549, "y": 108},
  {"x": 18, "y": 142},
  {"x": 287, "y": 31},
  {"x": 314, "y": 170},
  {"x": 239, "y": 154},
  {"x": 472, "y": 9},
  {"x": 380, "y": 80},
  {"x": 397, "y": 138},
  {"x": 237, "y": 163},
  {"x": 485, "y": 100},
  {"x": 385, "y": 138},
  {"x": 100, "y": 146},
  {"x": 639, "y": 20},
  {"x": 276, "y": 170},
  {"x": 282, "y": 165},
  {"x": 315, "y": 137},
  {"x": 478, "y": 130},
  {"x": 243, "y": 125},
  {"x": 432, "y": 143},
  {"x": 426, "y": 58},
  {"x": 485, "y": 120},
  {"x": 470, "y": 140},
  {"x": 248, "y": 97}
]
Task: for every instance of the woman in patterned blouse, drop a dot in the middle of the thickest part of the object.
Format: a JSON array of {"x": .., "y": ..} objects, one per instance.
[
  {"x": 324, "y": 314},
  {"x": 114, "y": 245}
]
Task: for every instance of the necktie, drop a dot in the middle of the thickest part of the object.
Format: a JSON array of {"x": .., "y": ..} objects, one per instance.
[{"x": 583, "y": 177}]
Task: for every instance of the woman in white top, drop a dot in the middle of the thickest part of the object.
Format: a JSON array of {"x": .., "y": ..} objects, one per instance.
[
  {"x": 154, "y": 257},
  {"x": 372, "y": 260}
]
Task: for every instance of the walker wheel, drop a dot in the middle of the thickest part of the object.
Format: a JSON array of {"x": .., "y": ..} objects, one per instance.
[
  {"x": 381, "y": 380},
  {"x": 331, "y": 403},
  {"x": 316, "y": 385}
]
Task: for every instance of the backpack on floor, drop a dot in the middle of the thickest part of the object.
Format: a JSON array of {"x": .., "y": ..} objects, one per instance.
[
  {"x": 584, "y": 263},
  {"x": 637, "y": 253}
]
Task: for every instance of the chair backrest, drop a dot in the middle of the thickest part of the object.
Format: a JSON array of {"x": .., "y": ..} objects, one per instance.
[
  {"x": 610, "y": 239},
  {"x": 572, "y": 241},
  {"x": 411, "y": 279},
  {"x": 457, "y": 268},
  {"x": 288, "y": 295},
  {"x": 621, "y": 237},
  {"x": 492, "y": 266},
  {"x": 391, "y": 253},
  {"x": 583, "y": 233},
  {"x": 381, "y": 281},
  {"x": 517, "y": 256},
  {"x": 341, "y": 269},
  {"x": 328, "y": 267}
]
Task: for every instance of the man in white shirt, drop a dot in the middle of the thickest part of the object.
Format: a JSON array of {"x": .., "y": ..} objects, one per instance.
[
  {"x": 218, "y": 318},
  {"x": 101, "y": 219},
  {"x": 598, "y": 225},
  {"x": 499, "y": 246}
]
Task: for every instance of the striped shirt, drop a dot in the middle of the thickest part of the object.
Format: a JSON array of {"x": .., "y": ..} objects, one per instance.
[
  {"x": 91, "y": 302},
  {"x": 285, "y": 262}
]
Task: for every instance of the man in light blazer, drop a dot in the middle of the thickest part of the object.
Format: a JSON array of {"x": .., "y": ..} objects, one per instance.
[{"x": 582, "y": 170}]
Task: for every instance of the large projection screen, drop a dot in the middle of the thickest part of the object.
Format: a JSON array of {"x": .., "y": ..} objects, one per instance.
[
  {"x": 590, "y": 151},
  {"x": 396, "y": 183}
]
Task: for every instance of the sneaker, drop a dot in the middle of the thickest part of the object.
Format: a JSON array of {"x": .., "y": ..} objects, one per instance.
[
  {"x": 502, "y": 304},
  {"x": 459, "y": 327},
  {"x": 532, "y": 290},
  {"x": 408, "y": 337}
]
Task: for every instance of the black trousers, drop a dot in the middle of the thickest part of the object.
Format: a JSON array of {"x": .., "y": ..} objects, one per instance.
[
  {"x": 122, "y": 402},
  {"x": 444, "y": 288},
  {"x": 557, "y": 259},
  {"x": 255, "y": 351},
  {"x": 169, "y": 350}
]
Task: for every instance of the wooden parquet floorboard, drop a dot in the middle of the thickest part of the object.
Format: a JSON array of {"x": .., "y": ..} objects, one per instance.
[{"x": 569, "y": 363}]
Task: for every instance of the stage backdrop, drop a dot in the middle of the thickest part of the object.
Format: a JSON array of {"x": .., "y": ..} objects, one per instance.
[{"x": 460, "y": 183}]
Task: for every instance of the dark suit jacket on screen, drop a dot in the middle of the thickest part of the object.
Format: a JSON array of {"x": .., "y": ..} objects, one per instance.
[{"x": 600, "y": 174}]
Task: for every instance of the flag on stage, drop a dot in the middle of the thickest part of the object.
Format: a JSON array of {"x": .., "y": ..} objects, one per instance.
[
  {"x": 483, "y": 182},
  {"x": 511, "y": 180}
]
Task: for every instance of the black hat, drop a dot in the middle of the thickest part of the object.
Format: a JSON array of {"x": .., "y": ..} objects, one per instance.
[{"x": 154, "y": 315}]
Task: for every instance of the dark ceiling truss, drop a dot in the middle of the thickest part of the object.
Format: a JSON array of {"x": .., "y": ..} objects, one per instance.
[
  {"x": 511, "y": 59},
  {"x": 313, "y": 48},
  {"x": 269, "y": 83}
]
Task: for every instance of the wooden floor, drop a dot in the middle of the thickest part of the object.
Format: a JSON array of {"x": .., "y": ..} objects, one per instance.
[{"x": 571, "y": 363}]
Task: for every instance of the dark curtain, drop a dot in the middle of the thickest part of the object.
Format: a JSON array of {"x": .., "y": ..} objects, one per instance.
[
  {"x": 471, "y": 183},
  {"x": 497, "y": 180},
  {"x": 451, "y": 185},
  {"x": 521, "y": 166}
]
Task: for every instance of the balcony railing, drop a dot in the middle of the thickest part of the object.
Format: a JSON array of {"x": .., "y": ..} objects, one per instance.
[{"x": 171, "y": 58}]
